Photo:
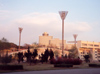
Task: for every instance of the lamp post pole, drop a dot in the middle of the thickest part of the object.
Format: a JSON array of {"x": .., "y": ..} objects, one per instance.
[
  {"x": 75, "y": 36},
  {"x": 20, "y": 30},
  {"x": 63, "y": 15},
  {"x": 62, "y": 37}
]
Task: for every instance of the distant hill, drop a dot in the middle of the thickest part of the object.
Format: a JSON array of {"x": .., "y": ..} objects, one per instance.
[{"x": 7, "y": 45}]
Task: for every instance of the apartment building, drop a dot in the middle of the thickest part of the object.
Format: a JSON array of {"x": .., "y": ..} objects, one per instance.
[{"x": 87, "y": 47}]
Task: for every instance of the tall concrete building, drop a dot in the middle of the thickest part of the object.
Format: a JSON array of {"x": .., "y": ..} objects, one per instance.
[
  {"x": 47, "y": 40},
  {"x": 57, "y": 42}
]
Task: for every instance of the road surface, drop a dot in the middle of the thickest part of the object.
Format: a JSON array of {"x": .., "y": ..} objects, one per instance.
[{"x": 65, "y": 71}]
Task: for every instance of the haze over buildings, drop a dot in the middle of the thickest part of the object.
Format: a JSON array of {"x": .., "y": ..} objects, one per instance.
[{"x": 38, "y": 16}]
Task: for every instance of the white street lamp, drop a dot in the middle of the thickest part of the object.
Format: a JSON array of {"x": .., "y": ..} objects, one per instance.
[
  {"x": 63, "y": 16},
  {"x": 20, "y": 30}
]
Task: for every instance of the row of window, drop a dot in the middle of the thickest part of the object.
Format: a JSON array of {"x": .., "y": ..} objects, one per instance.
[{"x": 83, "y": 44}]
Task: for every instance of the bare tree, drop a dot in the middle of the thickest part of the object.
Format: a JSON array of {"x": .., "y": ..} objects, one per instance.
[{"x": 73, "y": 52}]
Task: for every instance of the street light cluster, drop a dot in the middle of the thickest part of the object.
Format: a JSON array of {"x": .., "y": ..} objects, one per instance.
[{"x": 63, "y": 16}]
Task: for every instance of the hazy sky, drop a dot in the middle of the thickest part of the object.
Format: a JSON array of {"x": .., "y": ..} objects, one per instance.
[{"x": 38, "y": 16}]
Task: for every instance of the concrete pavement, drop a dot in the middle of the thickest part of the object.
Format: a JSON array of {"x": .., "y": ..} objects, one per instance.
[{"x": 65, "y": 71}]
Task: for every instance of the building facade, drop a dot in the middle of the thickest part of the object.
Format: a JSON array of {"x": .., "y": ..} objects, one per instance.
[
  {"x": 87, "y": 47},
  {"x": 47, "y": 40}
]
